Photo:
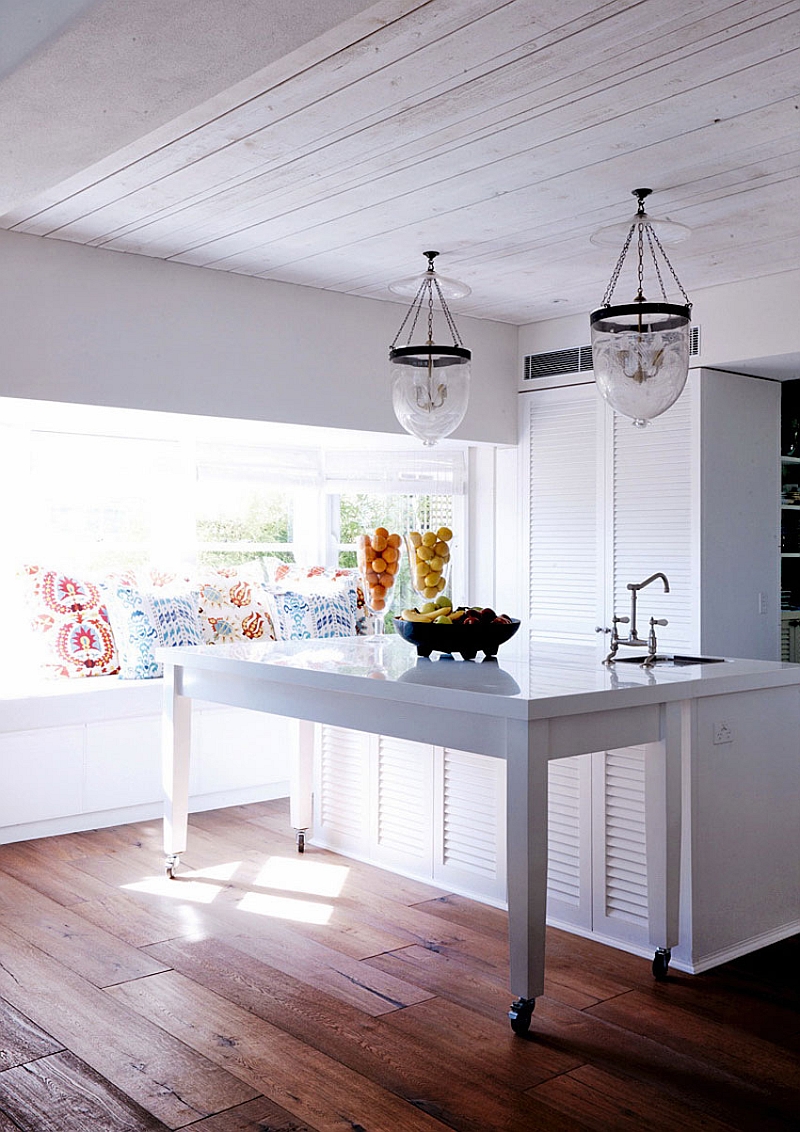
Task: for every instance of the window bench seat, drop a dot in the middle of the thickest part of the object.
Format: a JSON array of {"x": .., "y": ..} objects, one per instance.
[{"x": 80, "y": 754}]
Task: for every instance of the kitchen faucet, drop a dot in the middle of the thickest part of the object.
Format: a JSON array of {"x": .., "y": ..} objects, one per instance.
[{"x": 633, "y": 637}]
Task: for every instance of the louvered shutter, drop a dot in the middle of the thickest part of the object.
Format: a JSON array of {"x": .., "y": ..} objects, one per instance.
[
  {"x": 400, "y": 814},
  {"x": 470, "y": 826},
  {"x": 341, "y": 804},
  {"x": 620, "y": 867},
  {"x": 569, "y": 842},
  {"x": 561, "y": 436},
  {"x": 653, "y": 488}
]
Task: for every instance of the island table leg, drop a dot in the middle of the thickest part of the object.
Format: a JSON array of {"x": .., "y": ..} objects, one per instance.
[
  {"x": 526, "y": 794},
  {"x": 176, "y": 728},
  {"x": 662, "y": 793}
]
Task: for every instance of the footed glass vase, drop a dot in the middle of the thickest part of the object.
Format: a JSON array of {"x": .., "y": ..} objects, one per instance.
[
  {"x": 429, "y": 562},
  {"x": 378, "y": 554}
]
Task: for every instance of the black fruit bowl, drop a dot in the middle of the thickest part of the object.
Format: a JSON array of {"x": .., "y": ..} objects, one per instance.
[{"x": 468, "y": 640}]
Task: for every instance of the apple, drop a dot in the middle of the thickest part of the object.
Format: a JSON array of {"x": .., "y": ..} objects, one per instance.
[{"x": 487, "y": 614}]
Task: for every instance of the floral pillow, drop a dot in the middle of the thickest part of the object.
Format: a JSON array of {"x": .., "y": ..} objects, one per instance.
[
  {"x": 145, "y": 620},
  {"x": 70, "y": 619},
  {"x": 323, "y": 579},
  {"x": 298, "y": 615},
  {"x": 233, "y": 608}
]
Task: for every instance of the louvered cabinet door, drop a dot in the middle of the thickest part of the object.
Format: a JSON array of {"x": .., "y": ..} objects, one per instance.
[
  {"x": 654, "y": 490},
  {"x": 569, "y": 842},
  {"x": 470, "y": 824},
  {"x": 401, "y": 809},
  {"x": 341, "y": 790},
  {"x": 560, "y": 438},
  {"x": 619, "y": 861}
]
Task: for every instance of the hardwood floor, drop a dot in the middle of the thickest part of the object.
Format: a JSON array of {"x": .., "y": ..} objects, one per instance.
[{"x": 262, "y": 991}]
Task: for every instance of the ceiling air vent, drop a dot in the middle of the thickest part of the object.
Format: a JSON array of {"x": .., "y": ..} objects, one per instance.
[
  {"x": 577, "y": 359},
  {"x": 556, "y": 362}
]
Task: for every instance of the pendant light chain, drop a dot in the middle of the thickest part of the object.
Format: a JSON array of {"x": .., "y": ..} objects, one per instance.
[
  {"x": 660, "y": 247},
  {"x": 448, "y": 317},
  {"x": 413, "y": 309},
  {"x": 615, "y": 273}
]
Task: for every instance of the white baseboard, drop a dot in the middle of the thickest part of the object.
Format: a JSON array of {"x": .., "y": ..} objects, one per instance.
[{"x": 78, "y": 823}]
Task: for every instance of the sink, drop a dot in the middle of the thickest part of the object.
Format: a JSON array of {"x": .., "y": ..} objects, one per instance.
[{"x": 670, "y": 661}]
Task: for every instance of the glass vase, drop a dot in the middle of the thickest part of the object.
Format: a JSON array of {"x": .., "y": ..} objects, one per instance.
[{"x": 378, "y": 555}]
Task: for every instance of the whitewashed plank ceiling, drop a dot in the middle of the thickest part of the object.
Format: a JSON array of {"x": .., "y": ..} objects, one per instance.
[{"x": 329, "y": 145}]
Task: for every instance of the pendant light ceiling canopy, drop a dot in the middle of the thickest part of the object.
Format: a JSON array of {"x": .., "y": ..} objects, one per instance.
[
  {"x": 640, "y": 349},
  {"x": 430, "y": 382}
]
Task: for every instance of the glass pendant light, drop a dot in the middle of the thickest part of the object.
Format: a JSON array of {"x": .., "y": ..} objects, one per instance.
[
  {"x": 430, "y": 383},
  {"x": 640, "y": 350}
]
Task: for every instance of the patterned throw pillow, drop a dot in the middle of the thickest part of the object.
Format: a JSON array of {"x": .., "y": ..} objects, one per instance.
[
  {"x": 145, "y": 620},
  {"x": 233, "y": 608},
  {"x": 323, "y": 579},
  {"x": 299, "y": 615},
  {"x": 70, "y": 618}
]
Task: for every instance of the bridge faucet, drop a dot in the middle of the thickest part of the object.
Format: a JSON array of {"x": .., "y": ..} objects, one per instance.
[
  {"x": 634, "y": 587},
  {"x": 633, "y": 637}
]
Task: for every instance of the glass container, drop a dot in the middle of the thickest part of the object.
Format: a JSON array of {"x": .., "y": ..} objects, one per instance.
[
  {"x": 378, "y": 554},
  {"x": 429, "y": 562}
]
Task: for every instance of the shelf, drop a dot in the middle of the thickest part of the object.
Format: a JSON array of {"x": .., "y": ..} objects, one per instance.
[
  {"x": 790, "y": 554},
  {"x": 790, "y": 459},
  {"x": 790, "y": 506}
]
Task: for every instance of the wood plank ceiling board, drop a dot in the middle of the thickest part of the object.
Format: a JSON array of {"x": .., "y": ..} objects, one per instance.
[{"x": 502, "y": 132}]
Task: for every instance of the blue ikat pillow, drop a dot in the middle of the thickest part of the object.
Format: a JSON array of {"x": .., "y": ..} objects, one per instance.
[
  {"x": 143, "y": 621},
  {"x": 299, "y": 615}
]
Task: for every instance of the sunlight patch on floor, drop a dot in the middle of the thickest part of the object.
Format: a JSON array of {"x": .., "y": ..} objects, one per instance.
[
  {"x": 292, "y": 875},
  {"x": 285, "y": 908},
  {"x": 304, "y": 877}
]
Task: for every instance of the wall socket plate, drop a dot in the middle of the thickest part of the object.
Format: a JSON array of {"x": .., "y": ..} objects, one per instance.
[{"x": 722, "y": 733}]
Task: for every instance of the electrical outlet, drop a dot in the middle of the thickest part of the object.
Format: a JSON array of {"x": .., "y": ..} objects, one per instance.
[
  {"x": 762, "y": 603},
  {"x": 722, "y": 733}
]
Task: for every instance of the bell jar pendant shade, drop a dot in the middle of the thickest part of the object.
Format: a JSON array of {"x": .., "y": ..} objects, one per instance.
[
  {"x": 640, "y": 350},
  {"x": 430, "y": 383}
]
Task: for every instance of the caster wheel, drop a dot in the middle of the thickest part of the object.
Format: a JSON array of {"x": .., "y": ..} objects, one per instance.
[
  {"x": 301, "y": 841},
  {"x": 520, "y": 1015},
  {"x": 170, "y": 867},
  {"x": 661, "y": 964}
]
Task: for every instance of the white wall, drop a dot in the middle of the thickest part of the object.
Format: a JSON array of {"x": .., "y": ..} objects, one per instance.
[
  {"x": 740, "y": 542},
  {"x": 96, "y": 327}
]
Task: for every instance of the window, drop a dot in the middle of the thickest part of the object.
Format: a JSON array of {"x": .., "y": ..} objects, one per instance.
[
  {"x": 407, "y": 491},
  {"x": 99, "y": 490}
]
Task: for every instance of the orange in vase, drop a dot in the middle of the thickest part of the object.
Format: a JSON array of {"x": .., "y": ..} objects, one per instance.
[{"x": 378, "y": 554}]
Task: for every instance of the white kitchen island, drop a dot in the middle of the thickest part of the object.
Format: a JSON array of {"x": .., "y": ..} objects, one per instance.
[{"x": 525, "y": 709}]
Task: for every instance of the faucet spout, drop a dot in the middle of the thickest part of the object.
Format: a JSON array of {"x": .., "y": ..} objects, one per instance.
[{"x": 640, "y": 585}]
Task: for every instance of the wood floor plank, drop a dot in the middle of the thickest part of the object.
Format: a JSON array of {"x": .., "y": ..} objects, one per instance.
[
  {"x": 323, "y": 969},
  {"x": 298, "y": 1078},
  {"x": 608, "y": 1049},
  {"x": 742, "y": 1054},
  {"x": 166, "y": 1078},
  {"x": 602, "y": 1101},
  {"x": 449, "y": 974},
  {"x": 60, "y": 1092},
  {"x": 98, "y": 956},
  {"x": 53, "y": 877},
  {"x": 20, "y": 1039},
  {"x": 401, "y": 1058},
  {"x": 260, "y": 1115}
]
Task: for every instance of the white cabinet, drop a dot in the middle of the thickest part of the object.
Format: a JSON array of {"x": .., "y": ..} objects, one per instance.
[
  {"x": 429, "y": 812},
  {"x": 692, "y": 495}
]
